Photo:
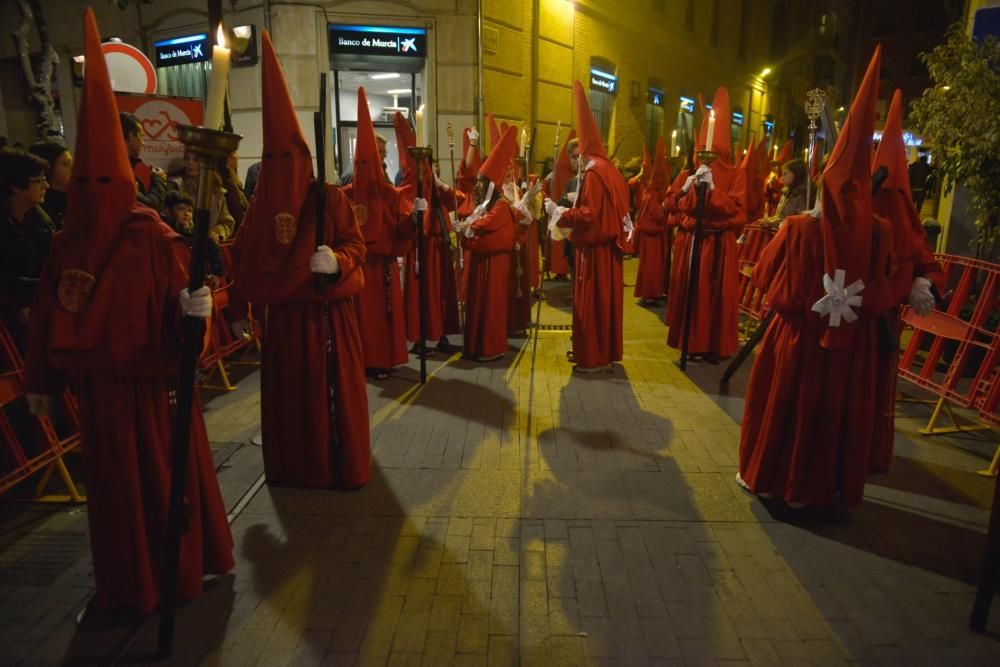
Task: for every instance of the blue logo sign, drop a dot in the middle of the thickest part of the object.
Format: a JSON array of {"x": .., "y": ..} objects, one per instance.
[
  {"x": 687, "y": 104},
  {"x": 737, "y": 118},
  {"x": 603, "y": 81},
  {"x": 369, "y": 40},
  {"x": 182, "y": 50}
]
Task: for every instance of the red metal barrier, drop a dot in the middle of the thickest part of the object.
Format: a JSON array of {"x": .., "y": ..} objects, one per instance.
[
  {"x": 19, "y": 464},
  {"x": 755, "y": 237},
  {"x": 954, "y": 353}
]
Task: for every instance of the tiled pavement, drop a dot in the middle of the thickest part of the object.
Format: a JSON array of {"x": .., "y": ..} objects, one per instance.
[{"x": 521, "y": 514}]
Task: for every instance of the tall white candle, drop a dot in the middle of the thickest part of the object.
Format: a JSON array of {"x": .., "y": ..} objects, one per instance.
[
  {"x": 711, "y": 131},
  {"x": 673, "y": 143},
  {"x": 421, "y": 127},
  {"x": 217, "y": 83}
]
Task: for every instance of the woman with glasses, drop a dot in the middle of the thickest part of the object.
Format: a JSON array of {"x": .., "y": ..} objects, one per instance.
[
  {"x": 25, "y": 234},
  {"x": 60, "y": 162}
]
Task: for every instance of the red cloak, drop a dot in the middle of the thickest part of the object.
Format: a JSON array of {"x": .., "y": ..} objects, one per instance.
[{"x": 491, "y": 253}]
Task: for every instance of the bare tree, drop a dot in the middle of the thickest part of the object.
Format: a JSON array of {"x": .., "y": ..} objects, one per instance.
[{"x": 38, "y": 78}]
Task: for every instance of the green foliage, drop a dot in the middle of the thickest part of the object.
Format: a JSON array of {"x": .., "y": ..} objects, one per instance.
[{"x": 961, "y": 118}]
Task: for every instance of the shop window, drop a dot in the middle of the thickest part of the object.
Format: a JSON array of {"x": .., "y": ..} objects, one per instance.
[
  {"x": 654, "y": 125},
  {"x": 603, "y": 88}
]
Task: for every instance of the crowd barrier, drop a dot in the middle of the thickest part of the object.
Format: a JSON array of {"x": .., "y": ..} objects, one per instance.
[
  {"x": 954, "y": 352},
  {"x": 751, "y": 299},
  {"x": 43, "y": 448}
]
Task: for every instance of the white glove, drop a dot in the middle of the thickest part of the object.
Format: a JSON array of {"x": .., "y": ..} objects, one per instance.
[
  {"x": 509, "y": 191},
  {"x": 815, "y": 212},
  {"x": 468, "y": 231},
  {"x": 241, "y": 329},
  {"x": 921, "y": 299},
  {"x": 198, "y": 303},
  {"x": 420, "y": 204},
  {"x": 40, "y": 405},
  {"x": 687, "y": 184},
  {"x": 324, "y": 260},
  {"x": 550, "y": 206},
  {"x": 473, "y": 136},
  {"x": 704, "y": 175}
]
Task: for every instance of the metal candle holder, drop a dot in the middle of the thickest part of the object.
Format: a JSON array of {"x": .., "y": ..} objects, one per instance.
[
  {"x": 210, "y": 146},
  {"x": 421, "y": 154},
  {"x": 815, "y": 101}
]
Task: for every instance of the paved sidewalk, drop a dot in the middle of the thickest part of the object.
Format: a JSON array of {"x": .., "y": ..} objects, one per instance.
[{"x": 523, "y": 514}]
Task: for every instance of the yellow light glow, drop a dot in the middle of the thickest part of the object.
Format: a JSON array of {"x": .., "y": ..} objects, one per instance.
[{"x": 765, "y": 72}]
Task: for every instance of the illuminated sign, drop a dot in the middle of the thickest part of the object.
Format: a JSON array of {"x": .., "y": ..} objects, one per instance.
[
  {"x": 655, "y": 97},
  {"x": 687, "y": 104},
  {"x": 182, "y": 50},
  {"x": 603, "y": 81},
  {"x": 368, "y": 40},
  {"x": 737, "y": 118},
  {"x": 768, "y": 126},
  {"x": 909, "y": 139}
]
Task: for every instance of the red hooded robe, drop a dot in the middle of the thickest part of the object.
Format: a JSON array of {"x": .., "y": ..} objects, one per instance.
[
  {"x": 715, "y": 316},
  {"x": 653, "y": 241},
  {"x": 598, "y": 235},
  {"x": 808, "y": 427},
  {"x": 107, "y": 319},
  {"x": 311, "y": 341}
]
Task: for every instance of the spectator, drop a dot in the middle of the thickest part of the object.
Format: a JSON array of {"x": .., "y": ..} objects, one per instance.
[
  {"x": 920, "y": 176},
  {"x": 236, "y": 199},
  {"x": 383, "y": 152},
  {"x": 221, "y": 223},
  {"x": 150, "y": 182},
  {"x": 60, "y": 168},
  {"x": 251, "y": 182},
  {"x": 178, "y": 212},
  {"x": 25, "y": 235}
]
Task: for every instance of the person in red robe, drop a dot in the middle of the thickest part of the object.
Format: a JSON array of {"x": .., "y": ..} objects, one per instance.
[
  {"x": 715, "y": 314},
  {"x": 809, "y": 422},
  {"x": 465, "y": 182},
  {"x": 314, "y": 400},
  {"x": 555, "y": 189},
  {"x": 107, "y": 320},
  {"x": 385, "y": 217},
  {"x": 653, "y": 238},
  {"x": 774, "y": 185},
  {"x": 441, "y": 299},
  {"x": 679, "y": 246},
  {"x": 916, "y": 271},
  {"x": 489, "y": 236},
  {"x": 597, "y": 222}
]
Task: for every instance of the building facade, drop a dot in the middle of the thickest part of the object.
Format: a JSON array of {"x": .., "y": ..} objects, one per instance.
[{"x": 645, "y": 62}]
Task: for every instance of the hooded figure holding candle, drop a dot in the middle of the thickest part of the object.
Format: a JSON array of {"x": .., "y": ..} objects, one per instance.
[
  {"x": 314, "y": 400},
  {"x": 597, "y": 223},
  {"x": 715, "y": 314},
  {"x": 384, "y": 215},
  {"x": 809, "y": 427},
  {"x": 489, "y": 236},
  {"x": 107, "y": 320}
]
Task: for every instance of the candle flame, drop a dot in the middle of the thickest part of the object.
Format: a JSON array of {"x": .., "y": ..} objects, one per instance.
[
  {"x": 674, "y": 133},
  {"x": 220, "y": 36},
  {"x": 712, "y": 111}
]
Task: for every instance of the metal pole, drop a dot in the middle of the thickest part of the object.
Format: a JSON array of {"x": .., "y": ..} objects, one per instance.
[
  {"x": 210, "y": 146},
  {"x": 421, "y": 155}
]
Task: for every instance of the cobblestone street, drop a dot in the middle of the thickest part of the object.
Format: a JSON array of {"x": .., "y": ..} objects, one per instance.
[{"x": 523, "y": 514}]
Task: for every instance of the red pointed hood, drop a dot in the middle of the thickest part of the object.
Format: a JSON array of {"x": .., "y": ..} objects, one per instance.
[
  {"x": 647, "y": 166},
  {"x": 368, "y": 181},
  {"x": 721, "y": 138},
  {"x": 846, "y": 221},
  {"x": 563, "y": 169},
  {"x": 891, "y": 150},
  {"x": 590, "y": 137},
  {"x": 102, "y": 187},
  {"x": 785, "y": 154},
  {"x": 493, "y": 130},
  {"x": 286, "y": 164},
  {"x": 406, "y": 138},
  {"x": 501, "y": 157},
  {"x": 659, "y": 172}
]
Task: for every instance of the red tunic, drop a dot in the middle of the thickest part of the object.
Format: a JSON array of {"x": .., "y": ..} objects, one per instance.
[
  {"x": 597, "y": 238},
  {"x": 912, "y": 258},
  {"x": 654, "y": 247},
  {"x": 121, "y": 356},
  {"x": 519, "y": 293},
  {"x": 303, "y": 443},
  {"x": 388, "y": 228},
  {"x": 491, "y": 255},
  {"x": 809, "y": 425},
  {"x": 441, "y": 316},
  {"x": 715, "y": 317}
]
